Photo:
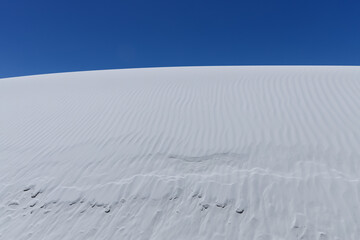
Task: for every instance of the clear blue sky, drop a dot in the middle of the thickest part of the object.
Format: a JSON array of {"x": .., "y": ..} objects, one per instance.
[{"x": 44, "y": 36}]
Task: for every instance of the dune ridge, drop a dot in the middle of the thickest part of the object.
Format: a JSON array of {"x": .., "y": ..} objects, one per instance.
[{"x": 263, "y": 152}]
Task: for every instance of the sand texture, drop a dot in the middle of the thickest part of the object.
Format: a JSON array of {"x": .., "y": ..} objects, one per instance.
[{"x": 263, "y": 153}]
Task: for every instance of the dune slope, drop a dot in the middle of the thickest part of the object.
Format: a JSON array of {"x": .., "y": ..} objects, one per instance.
[{"x": 181, "y": 153}]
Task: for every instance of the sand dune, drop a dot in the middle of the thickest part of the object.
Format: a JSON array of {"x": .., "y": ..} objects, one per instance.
[{"x": 181, "y": 153}]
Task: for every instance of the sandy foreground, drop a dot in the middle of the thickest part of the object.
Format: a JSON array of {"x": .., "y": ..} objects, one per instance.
[{"x": 264, "y": 153}]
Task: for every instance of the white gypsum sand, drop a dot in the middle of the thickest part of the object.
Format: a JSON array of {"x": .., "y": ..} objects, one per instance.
[{"x": 181, "y": 153}]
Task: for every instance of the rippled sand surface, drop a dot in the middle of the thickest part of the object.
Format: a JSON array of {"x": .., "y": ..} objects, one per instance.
[{"x": 262, "y": 153}]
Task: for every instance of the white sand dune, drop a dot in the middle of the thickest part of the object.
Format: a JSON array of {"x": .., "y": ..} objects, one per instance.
[{"x": 181, "y": 153}]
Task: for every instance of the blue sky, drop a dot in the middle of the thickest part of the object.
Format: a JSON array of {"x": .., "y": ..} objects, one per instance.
[{"x": 44, "y": 36}]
